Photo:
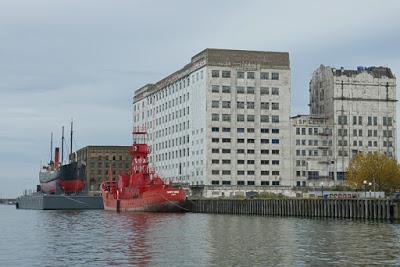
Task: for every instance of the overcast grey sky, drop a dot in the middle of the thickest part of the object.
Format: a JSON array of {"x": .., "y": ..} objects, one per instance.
[{"x": 83, "y": 59}]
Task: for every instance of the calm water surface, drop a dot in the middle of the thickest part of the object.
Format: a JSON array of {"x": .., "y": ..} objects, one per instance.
[{"x": 100, "y": 238}]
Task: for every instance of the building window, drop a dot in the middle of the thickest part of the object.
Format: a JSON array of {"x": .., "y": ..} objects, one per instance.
[
  {"x": 275, "y": 162},
  {"x": 215, "y": 129},
  {"x": 274, "y": 91},
  {"x": 240, "y": 89},
  {"x": 276, "y": 183},
  {"x": 226, "y": 117},
  {"x": 215, "y": 140},
  {"x": 264, "y": 151},
  {"x": 274, "y": 76},
  {"x": 264, "y": 141},
  {"x": 274, "y": 131},
  {"x": 226, "y": 74},
  {"x": 342, "y": 120},
  {"x": 240, "y": 75},
  {"x": 215, "y": 104},
  {"x": 226, "y": 104},
  {"x": 240, "y": 151},
  {"x": 215, "y": 172},
  {"x": 276, "y": 173},
  {"x": 264, "y": 105},
  {"x": 240, "y": 182},
  {"x": 226, "y": 172},
  {"x": 275, "y": 141},
  {"x": 240, "y": 105},
  {"x": 275, "y": 118},
  {"x": 226, "y": 151},
  {"x": 215, "y": 73},
  {"x": 264, "y": 90},
  {"x": 250, "y": 182},
  {"x": 240, "y": 140},
  {"x": 250, "y": 173},
  {"x": 265, "y": 182},
  {"x": 215, "y": 150},
  {"x": 264, "y": 130},
  {"x": 226, "y": 130},
  {"x": 264, "y": 118},
  {"x": 240, "y": 117},
  {"x": 250, "y": 151},
  {"x": 215, "y": 117},
  {"x": 264, "y": 75},
  {"x": 250, "y": 161},
  {"x": 250, "y": 118},
  {"x": 240, "y": 130},
  {"x": 250, "y": 90},
  {"x": 240, "y": 161},
  {"x": 275, "y": 106},
  {"x": 226, "y": 140},
  {"x": 250, "y": 130},
  {"x": 250, "y": 105},
  {"x": 265, "y": 162},
  {"x": 214, "y": 161},
  {"x": 215, "y": 182},
  {"x": 215, "y": 88},
  {"x": 250, "y": 75},
  {"x": 250, "y": 141},
  {"x": 226, "y": 89}
]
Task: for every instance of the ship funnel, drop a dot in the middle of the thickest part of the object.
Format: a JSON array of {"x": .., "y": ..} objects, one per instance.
[{"x": 57, "y": 156}]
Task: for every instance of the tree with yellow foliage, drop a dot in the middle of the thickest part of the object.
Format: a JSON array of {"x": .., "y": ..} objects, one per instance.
[{"x": 376, "y": 168}]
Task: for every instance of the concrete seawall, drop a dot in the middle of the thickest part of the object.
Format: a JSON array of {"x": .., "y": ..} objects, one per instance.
[{"x": 381, "y": 209}]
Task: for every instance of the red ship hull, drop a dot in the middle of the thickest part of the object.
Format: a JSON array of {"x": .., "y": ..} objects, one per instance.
[
  {"x": 71, "y": 186},
  {"x": 165, "y": 200}
]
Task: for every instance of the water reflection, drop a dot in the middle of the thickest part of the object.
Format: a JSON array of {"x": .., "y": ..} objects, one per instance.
[{"x": 100, "y": 238}]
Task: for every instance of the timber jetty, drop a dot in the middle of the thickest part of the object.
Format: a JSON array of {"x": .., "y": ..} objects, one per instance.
[{"x": 380, "y": 209}]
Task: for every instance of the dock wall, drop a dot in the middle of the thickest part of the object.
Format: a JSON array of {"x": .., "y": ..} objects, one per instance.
[{"x": 382, "y": 209}]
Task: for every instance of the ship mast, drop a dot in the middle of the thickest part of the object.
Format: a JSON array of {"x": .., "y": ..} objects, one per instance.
[
  {"x": 70, "y": 155},
  {"x": 62, "y": 145},
  {"x": 51, "y": 147}
]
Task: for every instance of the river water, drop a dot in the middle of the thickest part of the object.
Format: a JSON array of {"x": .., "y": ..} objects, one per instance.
[{"x": 102, "y": 238}]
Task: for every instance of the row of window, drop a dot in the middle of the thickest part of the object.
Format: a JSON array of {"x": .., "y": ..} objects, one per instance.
[
  {"x": 242, "y": 172},
  {"x": 241, "y": 75},
  {"x": 371, "y": 120},
  {"x": 241, "y": 117},
  {"x": 240, "y": 182},
  {"x": 360, "y": 143},
  {"x": 312, "y": 131},
  {"x": 242, "y": 130},
  {"x": 242, "y": 105},
  {"x": 242, "y": 90},
  {"x": 240, "y": 150},
  {"x": 249, "y": 161},
  {"x": 242, "y": 140},
  {"x": 170, "y": 130},
  {"x": 313, "y": 142}
]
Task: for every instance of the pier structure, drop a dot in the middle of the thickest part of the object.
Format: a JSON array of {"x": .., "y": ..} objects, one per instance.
[{"x": 379, "y": 209}]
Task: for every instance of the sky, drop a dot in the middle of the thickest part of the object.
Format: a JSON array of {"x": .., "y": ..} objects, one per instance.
[{"x": 83, "y": 60}]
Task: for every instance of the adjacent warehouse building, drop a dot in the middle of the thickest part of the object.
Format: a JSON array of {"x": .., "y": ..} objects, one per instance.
[
  {"x": 360, "y": 106},
  {"x": 99, "y": 158}
]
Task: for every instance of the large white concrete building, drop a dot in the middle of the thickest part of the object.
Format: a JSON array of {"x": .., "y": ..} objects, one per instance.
[
  {"x": 360, "y": 107},
  {"x": 223, "y": 119}
]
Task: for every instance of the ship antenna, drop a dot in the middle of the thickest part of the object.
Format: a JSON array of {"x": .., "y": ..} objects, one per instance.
[
  {"x": 51, "y": 147},
  {"x": 71, "y": 140},
  {"x": 62, "y": 145}
]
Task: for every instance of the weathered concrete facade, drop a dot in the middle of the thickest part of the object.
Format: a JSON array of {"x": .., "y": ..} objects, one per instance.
[
  {"x": 222, "y": 119},
  {"x": 360, "y": 105}
]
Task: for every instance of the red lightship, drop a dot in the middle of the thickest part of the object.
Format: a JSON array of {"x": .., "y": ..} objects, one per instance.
[{"x": 141, "y": 189}]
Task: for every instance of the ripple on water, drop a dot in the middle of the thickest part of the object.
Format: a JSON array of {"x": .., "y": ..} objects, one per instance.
[{"x": 101, "y": 238}]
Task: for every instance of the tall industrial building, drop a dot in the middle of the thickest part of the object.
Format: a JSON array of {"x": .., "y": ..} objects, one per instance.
[
  {"x": 360, "y": 107},
  {"x": 223, "y": 119}
]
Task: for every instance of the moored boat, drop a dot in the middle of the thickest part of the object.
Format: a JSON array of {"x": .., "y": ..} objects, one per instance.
[{"x": 141, "y": 189}]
